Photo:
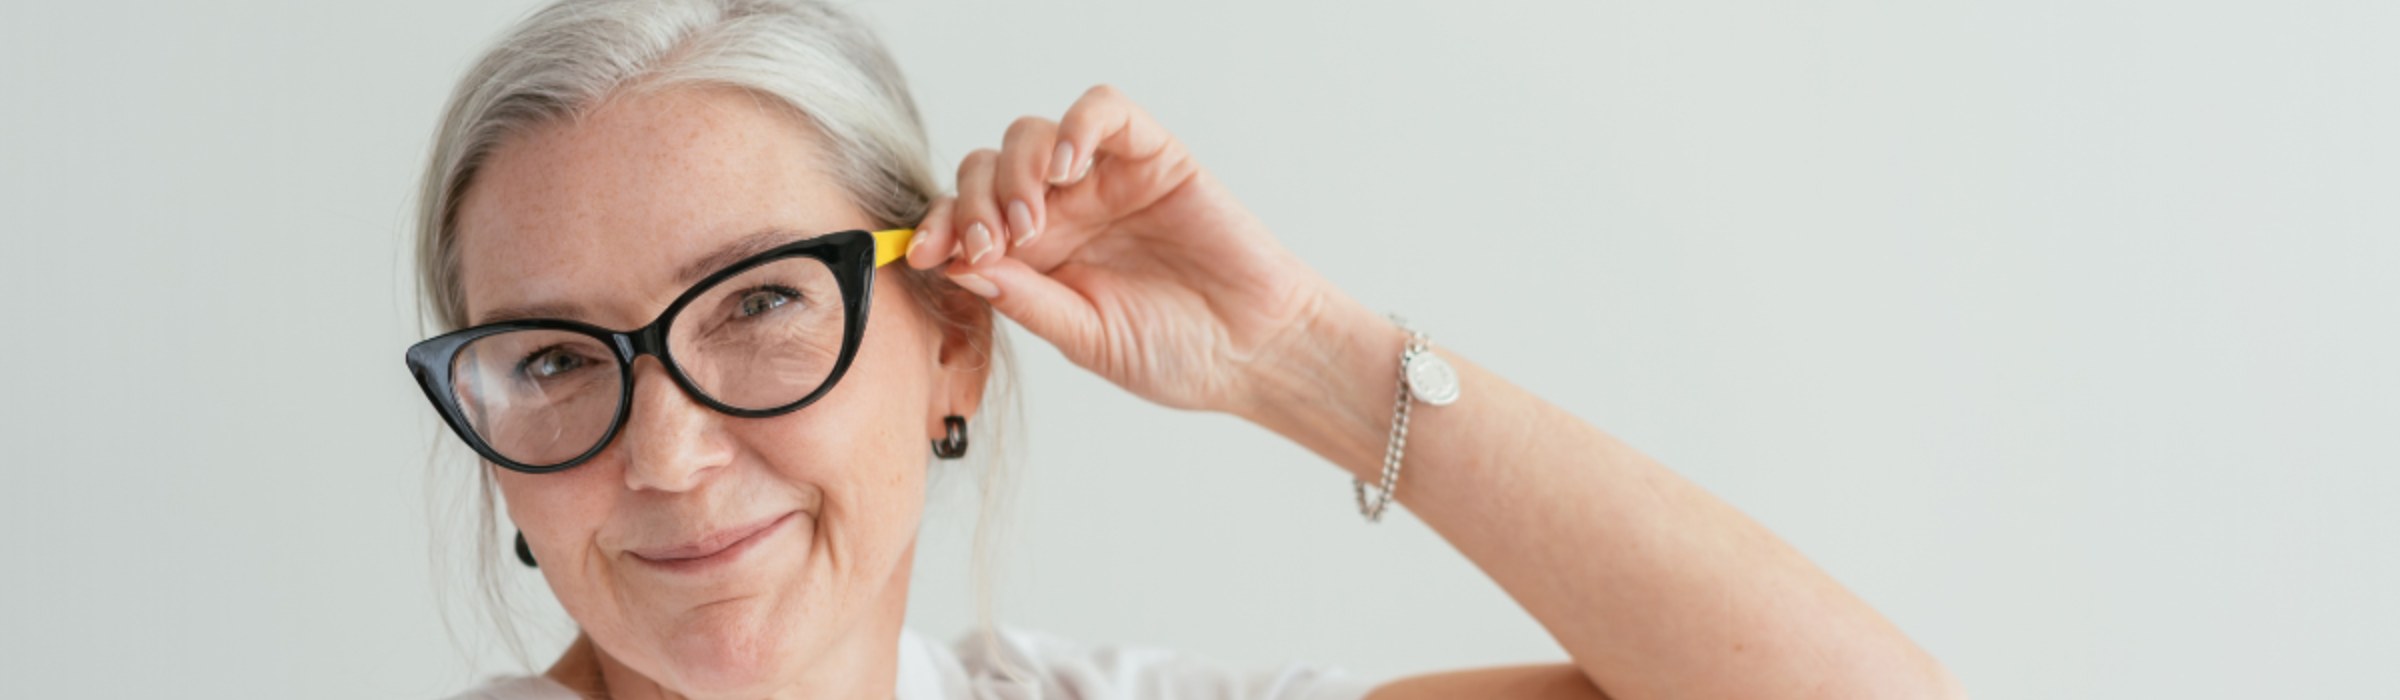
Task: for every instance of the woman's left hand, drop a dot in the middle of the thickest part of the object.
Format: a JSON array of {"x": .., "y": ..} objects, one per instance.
[{"x": 1100, "y": 234}]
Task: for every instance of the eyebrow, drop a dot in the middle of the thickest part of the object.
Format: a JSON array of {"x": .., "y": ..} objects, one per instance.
[
  {"x": 724, "y": 256},
  {"x": 738, "y": 250}
]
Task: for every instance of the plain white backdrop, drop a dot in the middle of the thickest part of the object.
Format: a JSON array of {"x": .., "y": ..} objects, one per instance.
[{"x": 2063, "y": 331}]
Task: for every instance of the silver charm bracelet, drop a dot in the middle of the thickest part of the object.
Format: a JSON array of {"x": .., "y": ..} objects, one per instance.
[{"x": 1430, "y": 379}]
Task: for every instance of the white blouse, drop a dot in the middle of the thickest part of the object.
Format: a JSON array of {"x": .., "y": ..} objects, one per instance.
[{"x": 1053, "y": 669}]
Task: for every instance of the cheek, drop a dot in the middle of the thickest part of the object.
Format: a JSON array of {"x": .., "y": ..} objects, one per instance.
[
  {"x": 561, "y": 510},
  {"x": 860, "y": 446}
]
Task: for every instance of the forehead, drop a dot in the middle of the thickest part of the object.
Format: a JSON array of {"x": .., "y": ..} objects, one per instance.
[{"x": 597, "y": 215}]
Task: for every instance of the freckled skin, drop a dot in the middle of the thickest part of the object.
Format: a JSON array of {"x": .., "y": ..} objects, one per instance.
[{"x": 601, "y": 212}]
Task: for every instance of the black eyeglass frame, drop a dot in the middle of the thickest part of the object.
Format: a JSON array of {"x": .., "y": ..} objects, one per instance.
[{"x": 851, "y": 255}]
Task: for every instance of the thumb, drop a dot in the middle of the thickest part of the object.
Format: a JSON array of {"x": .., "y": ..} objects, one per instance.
[{"x": 1038, "y": 302}]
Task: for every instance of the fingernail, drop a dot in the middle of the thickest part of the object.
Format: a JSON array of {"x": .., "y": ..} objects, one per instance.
[
  {"x": 915, "y": 241},
  {"x": 1020, "y": 220},
  {"x": 979, "y": 241},
  {"x": 1083, "y": 168},
  {"x": 1062, "y": 163},
  {"x": 977, "y": 284}
]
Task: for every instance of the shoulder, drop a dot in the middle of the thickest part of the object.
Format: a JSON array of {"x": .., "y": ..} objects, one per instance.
[
  {"x": 1019, "y": 663},
  {"x": 517, "y": 688}
]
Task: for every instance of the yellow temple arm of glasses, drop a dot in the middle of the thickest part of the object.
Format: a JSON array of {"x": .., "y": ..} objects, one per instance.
[{"x": 890, "y": 245}]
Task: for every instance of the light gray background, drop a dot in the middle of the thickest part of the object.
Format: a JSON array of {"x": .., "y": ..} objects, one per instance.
[{"x": 2063, "y": 331}]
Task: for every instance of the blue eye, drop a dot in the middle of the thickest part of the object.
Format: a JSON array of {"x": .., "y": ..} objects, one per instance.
[
  {"x": 550, "y": 362},
  {"x": 759, "y": 301}
]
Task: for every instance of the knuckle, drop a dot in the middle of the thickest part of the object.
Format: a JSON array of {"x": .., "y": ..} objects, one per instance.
[
  {"x": 976, "y": 164},
  {"x": 1025, "y": 126}
]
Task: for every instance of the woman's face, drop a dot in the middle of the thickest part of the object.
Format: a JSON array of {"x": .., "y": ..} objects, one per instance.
[{"x": 595, "y": 220}]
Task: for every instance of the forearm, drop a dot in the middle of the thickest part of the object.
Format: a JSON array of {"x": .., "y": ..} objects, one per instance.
[{"x": 1655, "y": 587}]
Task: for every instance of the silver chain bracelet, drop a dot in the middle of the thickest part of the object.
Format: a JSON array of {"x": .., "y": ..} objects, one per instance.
[{"x": 1430, "y": 379}]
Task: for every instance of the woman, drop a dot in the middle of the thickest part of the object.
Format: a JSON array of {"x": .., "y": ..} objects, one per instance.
[{"x": 659, "y": 229}]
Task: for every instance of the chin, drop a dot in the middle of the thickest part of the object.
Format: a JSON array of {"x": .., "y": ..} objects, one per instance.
[
  {"x": 745, "y": 647},
  {"x": 730, "y": 657}
]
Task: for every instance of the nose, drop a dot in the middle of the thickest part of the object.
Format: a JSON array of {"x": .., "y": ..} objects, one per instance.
[{"x": 671, "y": 442}]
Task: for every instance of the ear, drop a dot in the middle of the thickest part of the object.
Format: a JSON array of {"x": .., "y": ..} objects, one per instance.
[{"x": 966, "y": 330}]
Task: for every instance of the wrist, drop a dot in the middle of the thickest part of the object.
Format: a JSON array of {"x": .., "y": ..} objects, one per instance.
[{"x": 1330, "y": 389}]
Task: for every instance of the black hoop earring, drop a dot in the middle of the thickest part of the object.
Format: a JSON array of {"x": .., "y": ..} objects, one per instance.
[
  {"x": 524, "y": 553},
  {"x": 953, "y": 444}
]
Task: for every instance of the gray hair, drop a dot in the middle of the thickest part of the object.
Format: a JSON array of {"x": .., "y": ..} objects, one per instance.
[{"x": 804, "y": 55}]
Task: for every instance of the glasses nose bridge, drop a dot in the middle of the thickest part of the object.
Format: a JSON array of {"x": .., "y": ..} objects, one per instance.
[
  {"x": 652, "y": 340},
  {"x": 649, "y": 340}
]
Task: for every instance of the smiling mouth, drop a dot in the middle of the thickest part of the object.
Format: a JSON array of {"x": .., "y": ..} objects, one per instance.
[{"x": 713, "y": 549}]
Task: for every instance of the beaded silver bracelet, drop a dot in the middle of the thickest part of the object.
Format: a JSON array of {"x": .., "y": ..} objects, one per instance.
[{"x": 1427, "y": 377}]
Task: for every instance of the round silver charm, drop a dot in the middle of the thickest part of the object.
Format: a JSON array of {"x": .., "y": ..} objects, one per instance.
[{"x": 1431, "y": 379}]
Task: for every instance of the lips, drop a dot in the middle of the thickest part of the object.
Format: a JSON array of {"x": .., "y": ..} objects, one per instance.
[{"x": 719, "y": 545}]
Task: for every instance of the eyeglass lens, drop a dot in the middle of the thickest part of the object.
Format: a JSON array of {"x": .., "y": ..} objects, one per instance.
[{"x": 762, "y": 339}]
